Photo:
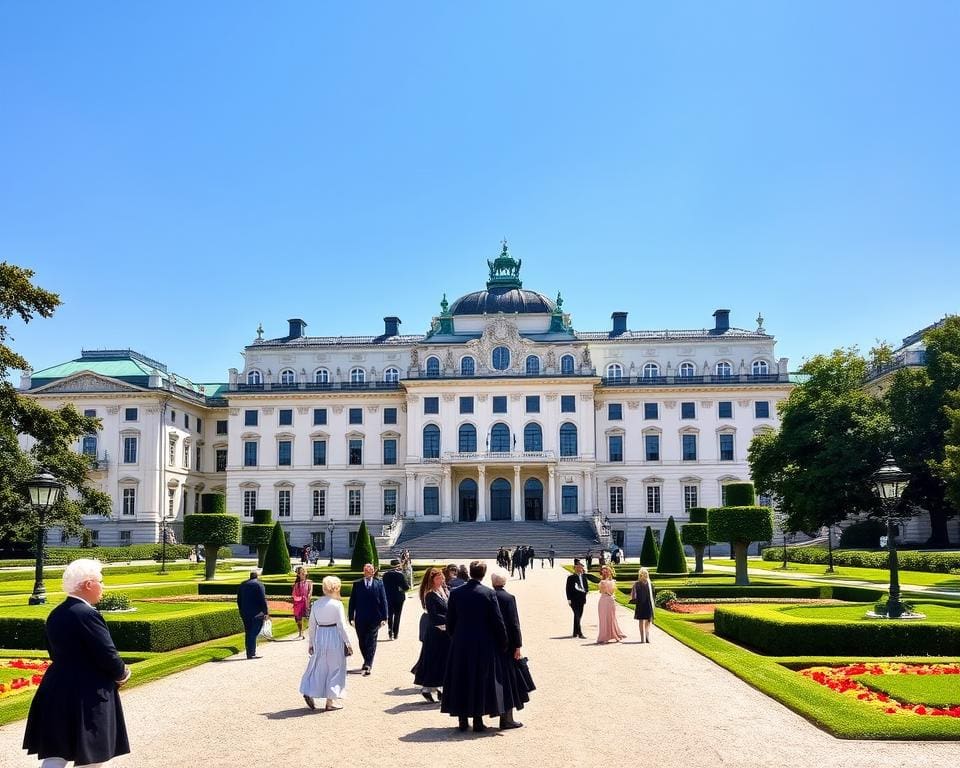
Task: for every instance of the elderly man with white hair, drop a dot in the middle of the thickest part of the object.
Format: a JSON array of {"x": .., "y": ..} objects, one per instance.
[
  {"x": 76, "y": 714},
  {"x": 516, "y": 687}
]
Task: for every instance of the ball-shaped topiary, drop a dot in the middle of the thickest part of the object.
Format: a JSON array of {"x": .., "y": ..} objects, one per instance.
[
  {"x": 739, "y": 495},
  {"x": 211, "y": 531},
  {"x": 213, "y": 504},
  {"x": 740, "y": 526},
  {"x": 362, "y": 549},
  {"x": 263, "y": 517},
  {"x": 257, "y": 536},
  {"x": 650, "y": 551},
  {"x": 695, "y": 535},
  {"x": 697, "y": 514},
  {"x": 277, "y": 559},
  {"x": 672, "y": 558}
]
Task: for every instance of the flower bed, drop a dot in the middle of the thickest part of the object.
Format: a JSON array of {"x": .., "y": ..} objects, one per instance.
[
  {"x": 850, "y": 681},
  {"x": 18, "y": 675}
]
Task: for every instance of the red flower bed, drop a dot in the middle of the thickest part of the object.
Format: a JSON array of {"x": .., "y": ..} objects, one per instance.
[
  {"x": 840, "y": 679},
  {"x": 677, "y": 607},
  {"x": 36, "y": 666}
]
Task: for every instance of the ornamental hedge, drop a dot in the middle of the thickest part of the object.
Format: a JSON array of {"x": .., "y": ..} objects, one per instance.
[
  {"x": 66, "y": 555},
  {"x": 262, "y": 517},
  {"x": 257, "y": 536},
  {"x": 276, "y": 561},
  {"x": 740, "y": 526},
  {"x": 909, "y": 560},
  {"x": 672, "y": 558},
  {"x": 740, "y": 495},
  {"x": 650, "y": 552},
  {"x": 213, "y": 504},
  {"x": 363, "y": 552},
  {"x": 697, "y": 514},
  {"x": 212, "y": 531},
  {"x": 864, "y": 533},
  {"x": 695, "y": 535},
  {"x": 272, "y": 588}
]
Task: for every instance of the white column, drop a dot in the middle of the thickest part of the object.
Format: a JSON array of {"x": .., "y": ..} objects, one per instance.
[
  {"x": 445, "y": 515},
  {"x": 588, "y": 492},
  {"x": 411, "y": 493},
  {"x": 517, "y": 494},
  {"x": 551, "y": 493},
  {"x": 481, "y": 494}
]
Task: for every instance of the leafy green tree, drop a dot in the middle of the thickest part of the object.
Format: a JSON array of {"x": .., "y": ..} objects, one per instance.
[
  {"x": 672, "y": 559},
  {"x": 650, "y": 551},
  {"x": 949, "y": 468},
  {"x": 831, "y": 439},
  {"x": 362, "y": 549},
  {"x": 277, "y": 560}
]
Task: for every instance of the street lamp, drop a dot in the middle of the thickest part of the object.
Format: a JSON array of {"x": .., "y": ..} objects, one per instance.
[
  {"x": 330, "y": 527},
  {"x": 163, "y": 543},
  {"x": 43, "y": 492},
  {"x": 889, "y": 483}
]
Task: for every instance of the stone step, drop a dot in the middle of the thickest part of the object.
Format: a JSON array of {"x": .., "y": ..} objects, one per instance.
[{"x": 462, "y": 540}]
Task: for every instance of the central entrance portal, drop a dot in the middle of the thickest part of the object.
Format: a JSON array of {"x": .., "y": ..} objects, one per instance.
[
  {"x": 533, "y": 499},
  {"x": 500, "y": 499},
  {"x": 468, "y": 501}
]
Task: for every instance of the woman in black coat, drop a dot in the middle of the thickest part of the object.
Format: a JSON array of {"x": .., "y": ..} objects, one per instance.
[
  {"x": 516, "y": 688},
  {"x": 435, "y": 642},
  {"x": 75, "y": 713}
]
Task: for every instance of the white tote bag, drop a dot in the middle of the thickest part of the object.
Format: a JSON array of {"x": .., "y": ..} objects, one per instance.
[{"x": 267, "y": 629}]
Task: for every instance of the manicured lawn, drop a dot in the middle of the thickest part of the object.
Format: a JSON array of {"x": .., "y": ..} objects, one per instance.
[
  {"x": 938, "y": 613},
  {"x": 945, "y": 581},
  {"x": 940, "y": 691}
]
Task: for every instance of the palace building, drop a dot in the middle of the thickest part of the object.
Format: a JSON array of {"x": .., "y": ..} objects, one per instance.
[{"x": 501, "y": 411}]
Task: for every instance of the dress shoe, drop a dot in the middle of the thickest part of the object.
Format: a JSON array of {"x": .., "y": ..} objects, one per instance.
[
  {"x": 479, "y": 727},
  {"x": 439, "y": 695},
  {"x": 582, "y": 637},
  {"x": 427, "y": 695},
  {"x": 463, "y": 724},
  {"x": 509, "y": 725},
  {"x": 310, "y": 702},
  {"x": 366, "y": 672}
]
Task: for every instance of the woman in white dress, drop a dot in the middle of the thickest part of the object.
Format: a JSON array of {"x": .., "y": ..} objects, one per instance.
[{"x": 326, "y": 673}]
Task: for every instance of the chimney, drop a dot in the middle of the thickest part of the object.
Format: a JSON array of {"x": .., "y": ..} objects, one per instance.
[
  {"x": 297, "y": 328},
  {"x": 26, "y": 380},
  {"x": 619, "y": 323},
  {"x": 722, "y": 317},
  {"x": 391, "y": 326}
]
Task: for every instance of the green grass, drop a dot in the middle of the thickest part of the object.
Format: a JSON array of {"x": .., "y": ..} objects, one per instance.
[
  {"x": 940, "y": 691},
  {"x": 938, "y": 613},
  {"x": 944, "y": 581}
]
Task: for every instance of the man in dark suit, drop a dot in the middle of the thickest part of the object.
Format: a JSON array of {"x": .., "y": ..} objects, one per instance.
[
  {"x": 577, "y": 588},
  {"x": 451, "y": 577},
  {"x": 367, "y": 611},
  {"x": 473, "y": 682},
  {"x": 515, "y": 691},
  {"x": 252, "y": 602},
  {"x": 395, "y": 585}
]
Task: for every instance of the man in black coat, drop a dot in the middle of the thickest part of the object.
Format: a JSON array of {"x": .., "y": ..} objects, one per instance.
[
  {"x": 367, "y": 611},
  {"x": 395, "y": 585},
  {"x": 252, "y": 603},
  {"x": 473, "y": 683},
  {"x": 577, "y": 588},
  {"x": 75, "y": 713},
  {"x": 515, "y": 691}
]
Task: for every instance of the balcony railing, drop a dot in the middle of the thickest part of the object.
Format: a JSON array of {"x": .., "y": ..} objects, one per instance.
[
  {"x": 502, "y": 457},
  {"x": 310, "y": 386},
  {"x": 653, "y": 381},
  {"x": 907, "y": 359}
]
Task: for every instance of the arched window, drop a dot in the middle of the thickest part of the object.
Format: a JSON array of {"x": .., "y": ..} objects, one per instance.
[
  {"x": 724, "y": 369},
  {"x": 500, "y": 438},
  {"x": 468, "y": 366},
  {"x": 467, "y": 438},
  {"x": 567, "y": 365},
  {"x": 760, "y": 368},
  {"x": 391, "y": 375},
  {"x": 358, "y": 376},
  {"x": 533, "y": 365},
  {"x": 321, "y": 376},
  {"x": 501, "y": 358},
  {"x": 532, "y": 437},
  {"x": 687, "y": 370},
  {"x": 568, "y": 439},
  {"x": 431, "y": 441},
  {"x": 615, "y": 371},
  {"x": 433, "y": 367},
  {"x": 287, "y": 377},
  {"x": 254, "y": 377},
  {"x": 651, "y": 370}
]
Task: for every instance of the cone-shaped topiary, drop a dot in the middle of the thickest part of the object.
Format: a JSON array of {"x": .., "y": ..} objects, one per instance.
[
  {"x": 695, "y": 535},
  {"x": 211, "y": 531},
  {"x": 213, "y": 504},
  {"x": 375, "y": 556},
  {"x": 672, "y": 559},
  {"x": 362, "y": 549},
  {"x": 650, "y": 552},
  {"x": 277, "y": 559},
  {"x": 740, "y": 526},
  {"x": 740, "y": 495}
]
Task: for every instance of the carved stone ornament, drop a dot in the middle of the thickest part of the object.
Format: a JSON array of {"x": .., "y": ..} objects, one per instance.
[
  {"x": 551, "y": 359},
  {"x": 568, "y": 479},
  {"x": 113, "y": 410},
  {"x": 357, "y": 357},
  {"x": 403, "y": 407},
  {"x": 743, "y": 403},
  {"x": 302, "y": 410},
  {"x": 413, "y": 398},
  {"x": 586, "y": 357},
  {"x": 448, "y": 362},
  {"x": 234, "y": 411},
  {"x": 501, "y": 332},
  {"x": 88, "y": 383},
  {"x": 706, "y": 403},
  {"x": 482, "y": 398},
  {"x": 414, "y": 358},
  {"x": 448, "y": 397},
  {"x": 598, "y": 406},
  {"x": 154, "y": 411},
  {"x": 516, "y": 396},
  {"x": 586, "y": 396},
  {"x": 338, "y": 409},
  {"x": 633, "y": 404},
  {"x": 373, "y": 408},
  {"x": 268, "y": 411},
  {"x": 550, "y": 396},
  {"x": 670, "y": 404}
]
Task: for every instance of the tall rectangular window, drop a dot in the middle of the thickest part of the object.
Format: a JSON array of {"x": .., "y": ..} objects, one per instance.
[
  {"x": 319, "y": 416},
  {"x": 761, "y": 409},
  {"x": 355, "y": 453},
  {"x": 199, "y": 426},
  {"x": 651, "y": 410},
  {"x": 125, "y": 538},
  {"x": 615, "y": 447},
  {"x": 615, "y": 411},
  {"x": 533, "y": 403},
  {"x": 319, "y": 453},
  {"x": 319, "y": 502},
  {"x": 249, "y": 502},
  {"x": 568, "y": 403},
  {"x": 726, "y": 447},
  {"x": 284, "y": 453},
  {"x": 250, "y": 418},
  {"x": 431, "y": 405},
  {"x": 250, "y": 453},
  {"x": 466, "y": 405},
  {"x": 691, "y": 494},
  {"x": 653, "y": 499},
  {"x": 389, "y": 502},
  {"x": 651, "y": 447},
  {"x": 725, "y": 409},
  {"x": 90, "y": 413},
  {"x": 389, "y": 451},
  {"x": 173, "y": 452},
  {"x": 221, "y": 459},
  {"x": 355, "y": 416},
  {"x": 389, "y": 415},
  {"x": 283, "y": 503},
  {"x": 354, "y": 502},
  {"x": 199, "y": 454},
  {"x": 88, "y": 446},
  {"x": 186, "y": 421},
  {"x": 186, "y": 455},
  {"x": 689, "y": 447},
  {"x": 285, "y": 417},
  {"x": 222, "y": 426},
  {"x": 431, "y": 500},
  {"x": 129, "y": 501},
  {"x": 499, "y": 403},
  {"x": 616, "y": 499},
  {"x": 129, "y": 450},
  {"x": 688, "y": 410},
  {"x": 131, "y": 414},
  {"x": 568, "y": 500}
]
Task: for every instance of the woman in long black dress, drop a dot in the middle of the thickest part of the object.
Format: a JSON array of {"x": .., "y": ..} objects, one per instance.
[
  {"x": 516, "y": 688},
  {"x": 435, "y": 642},
  {"x": 642, "y": 596}
]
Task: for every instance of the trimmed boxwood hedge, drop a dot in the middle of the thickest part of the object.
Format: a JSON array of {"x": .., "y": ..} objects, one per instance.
[
  {"x": 213, "y": 504},
  {"x": 66, "y": 555},
  {"x": 740, "y": 495},
  {"x": 650, "y": 551},
  {"x": 276, "y": 561},
  {"x": 275, "y": 589},
  {"x": 211, "y": 531},
  {"x": 740, "y": 526},
  {"x": 773, "y": 631},
  {"x": 672, "y": 559},
  {"x": 909, "y": 560},
  {"x": 697, "y": 514},
  {"x": 263, "y": 517}
]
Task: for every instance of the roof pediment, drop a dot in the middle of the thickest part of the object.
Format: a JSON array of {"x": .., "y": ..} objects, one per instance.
[{"x": 85, "y": 381}]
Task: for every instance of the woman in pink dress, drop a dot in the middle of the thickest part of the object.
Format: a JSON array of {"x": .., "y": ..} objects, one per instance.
[
  {"x": 302, "y": 591},
  {"x": 609, "y": 629}
]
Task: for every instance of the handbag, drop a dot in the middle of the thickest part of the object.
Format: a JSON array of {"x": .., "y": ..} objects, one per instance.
[
  {"x": 523, "y": 673},
  {"x": 267, "y": 629}
]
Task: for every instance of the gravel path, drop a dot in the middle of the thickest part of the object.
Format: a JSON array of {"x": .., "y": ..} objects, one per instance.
[{"x": 659, "y": 704}]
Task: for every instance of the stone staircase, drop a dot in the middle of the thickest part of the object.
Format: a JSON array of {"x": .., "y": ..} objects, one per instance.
[{"x": 459, "y": 541}]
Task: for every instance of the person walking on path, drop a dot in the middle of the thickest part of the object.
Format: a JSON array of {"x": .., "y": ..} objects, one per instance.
[
  {"x": 76, "y": 713},
  {"x": 642, "y": 596},
  {"x": 473, "y": 682},
  {"x": 431, "y": 665},
  {"x": 520, "y": 556},
  {"x": 551, "y": 554},
  {"x": 395, "y": 585},
  {"x": 531, "y": 556},
  {"x": 302, "y": 592},
  {"x": 577, "y": 588},
  {"x": 516, "y": 688},
  {"x": 326, "y": 674},
  {"x": 607, "y": 608},
  {"x": 252, "y": 604},
  {"x": 367, "y": 610}
]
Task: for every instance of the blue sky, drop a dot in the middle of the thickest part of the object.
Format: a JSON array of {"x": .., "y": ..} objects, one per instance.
[{"x": 180, "y": 172}]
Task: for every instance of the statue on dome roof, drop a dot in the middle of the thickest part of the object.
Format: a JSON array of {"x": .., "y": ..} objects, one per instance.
[{"x": 504, "y": 266}]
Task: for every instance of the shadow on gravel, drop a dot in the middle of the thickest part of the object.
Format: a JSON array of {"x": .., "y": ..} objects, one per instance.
[
  {"x": 411, "y": 706},
  {"x": 402, "y": 692},
  {"x": 286, "y": 714},
  {"x": 427, "y": 735}
]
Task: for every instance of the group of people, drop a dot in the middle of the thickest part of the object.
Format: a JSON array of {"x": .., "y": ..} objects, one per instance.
[
  {"x": 641, "y": 597},
  {"x": 521, "y": 558}
]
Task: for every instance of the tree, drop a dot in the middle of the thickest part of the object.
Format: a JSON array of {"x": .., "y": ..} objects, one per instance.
[
  {"x": 694, "y": 534},
  {"x": 740, "y": 525},
  {"x": 650, "y": 552},
  {"x": 258, "y": 533},
  {"x": 54, "y": 432},
  {"x": 949, "y": 468},
  {"x": 672, "y": 559},
  {"x": 362, "y": 549},
  {"x": 277, "y": 560},
  {"x": 831, "y": 439},
  {"x": 212, "y": 531}
]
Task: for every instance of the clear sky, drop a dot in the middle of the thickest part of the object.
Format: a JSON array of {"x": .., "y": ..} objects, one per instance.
[{"x": 180, "y": 172}]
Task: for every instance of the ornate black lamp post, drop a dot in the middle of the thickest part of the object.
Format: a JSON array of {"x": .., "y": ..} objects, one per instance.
[
  {"x": 889, "y": 483},
  {"x": 330, "y": 527},
  {"x": 43, "y": 491},
  {"x": 163, "y": 543}
]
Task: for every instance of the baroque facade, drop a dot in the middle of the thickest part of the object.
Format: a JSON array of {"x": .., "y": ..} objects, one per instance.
[{"x": 501, "y": 411}]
